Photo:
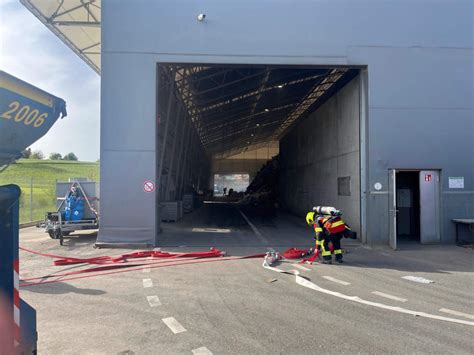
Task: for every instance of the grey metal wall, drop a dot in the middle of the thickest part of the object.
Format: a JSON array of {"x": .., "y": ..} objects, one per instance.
[
  {"x": 320, "y": 150},
  {"x": 419, "y": 56}
]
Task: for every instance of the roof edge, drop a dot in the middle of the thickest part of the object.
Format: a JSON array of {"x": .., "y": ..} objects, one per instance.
[{"x": 62, "y": 37}]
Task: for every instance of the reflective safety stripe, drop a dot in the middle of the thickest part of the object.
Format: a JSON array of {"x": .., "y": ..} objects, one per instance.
[
  {"x": 317, "y": 229},
  {"x": 324, "y": 252},
  {"x": 338, "y": 251},
  {"x": 337, "y": 224}
]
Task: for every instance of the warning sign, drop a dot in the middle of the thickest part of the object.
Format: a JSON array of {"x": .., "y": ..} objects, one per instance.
[
  {"x": 428, "y": 177},
  {"x": 148, "y": 186},
  {"x": 456, "y": 182}
]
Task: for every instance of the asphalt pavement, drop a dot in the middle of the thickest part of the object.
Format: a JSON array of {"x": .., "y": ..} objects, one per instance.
[{"x": 239, "y": 307}]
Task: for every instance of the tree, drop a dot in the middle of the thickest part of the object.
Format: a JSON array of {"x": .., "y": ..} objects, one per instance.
[
  {"x": 55, "y": 156},
  {"x": 70, "y": 156},
  {"x": 26, "y": 154},
  {"x": 37, "y": 154}
]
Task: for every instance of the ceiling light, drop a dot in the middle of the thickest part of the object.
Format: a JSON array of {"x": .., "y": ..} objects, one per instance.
[
  {"x": 280, "y": 86},
  {"x": 258, "y": 124},
  {"x": 248, "y": 142},
  {"x": 251, "y": 135},
  {"x": 266, "y": 110}
]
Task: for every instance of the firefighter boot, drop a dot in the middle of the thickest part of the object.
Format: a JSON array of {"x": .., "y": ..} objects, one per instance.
[
  {"x": 338, "y": 256},
  {"x": 327, "y": 259},
  {"x": 326, "y": 252}
]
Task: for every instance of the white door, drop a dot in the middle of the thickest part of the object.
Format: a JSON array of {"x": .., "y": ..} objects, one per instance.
[
  {"x": 429, "y": 207},
  {"x": 392, "y": 207}
]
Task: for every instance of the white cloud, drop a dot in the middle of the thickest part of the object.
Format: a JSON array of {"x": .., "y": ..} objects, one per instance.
[{"x": 29, "y": 51}]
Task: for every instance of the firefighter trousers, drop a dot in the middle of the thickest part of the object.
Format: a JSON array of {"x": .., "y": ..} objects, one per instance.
[{"x": 335, "y": 240}]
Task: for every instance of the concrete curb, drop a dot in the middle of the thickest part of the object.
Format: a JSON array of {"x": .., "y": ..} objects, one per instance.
[{"x": 29, "y": 224}]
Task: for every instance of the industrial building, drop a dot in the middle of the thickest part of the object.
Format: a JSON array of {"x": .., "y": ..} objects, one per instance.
[{"x": 369, "y": 106}]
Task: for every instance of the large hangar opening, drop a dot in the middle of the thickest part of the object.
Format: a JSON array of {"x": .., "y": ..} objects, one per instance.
[{"x": 293, "y": 131}]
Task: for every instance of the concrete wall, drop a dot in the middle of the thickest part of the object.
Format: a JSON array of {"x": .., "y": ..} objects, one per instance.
[
  {"x": 419, "y": 77},
  {"x": 318, "y": 151}
]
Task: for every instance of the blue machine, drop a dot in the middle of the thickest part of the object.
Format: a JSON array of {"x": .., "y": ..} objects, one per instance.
[{"x": 74, "y": 210}]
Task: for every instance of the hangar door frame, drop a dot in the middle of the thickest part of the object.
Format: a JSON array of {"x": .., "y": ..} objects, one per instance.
[{"x": 363, "y": 121}]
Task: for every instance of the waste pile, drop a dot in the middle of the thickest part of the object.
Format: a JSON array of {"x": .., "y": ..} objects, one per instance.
[{"x": 261, "y": 196}]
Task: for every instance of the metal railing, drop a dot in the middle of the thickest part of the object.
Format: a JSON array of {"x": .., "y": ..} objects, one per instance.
[{"x": 38, "y": 196}]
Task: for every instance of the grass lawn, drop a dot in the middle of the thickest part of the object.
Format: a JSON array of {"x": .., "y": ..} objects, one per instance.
[{"x": 42, "y": 176}]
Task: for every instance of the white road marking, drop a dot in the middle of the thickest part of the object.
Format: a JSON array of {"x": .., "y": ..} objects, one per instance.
[
  {"x": 147, "y": 269},
  {"x": 301, "y": 267},
  {"x": 418, "y": 279},
  {"x": 336, "y": 280},
  {"x": 202, "y": 351},
  {"x": 303, "y": 282},
  {"x": 174, "y": 325},
  {"x": 386, "y": 295},
  {"x": 456, "y": 313},
  {"x": 154, "y": 301},
  {"x": 147, "y": 283},
  {"x": 255, "y": 230},
  {"x": 211, "y": 230}
]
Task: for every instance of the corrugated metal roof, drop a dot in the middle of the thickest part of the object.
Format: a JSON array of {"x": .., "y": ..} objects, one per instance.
[
  {"x": 75, "y": 22},
  {"x": 236, "y": 108}
]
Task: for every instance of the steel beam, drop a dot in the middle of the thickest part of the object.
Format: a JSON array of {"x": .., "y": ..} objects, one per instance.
[
  {"x": 182, "y": 169},
  {"x": 244, "y": 94},
  {"x": 173, "y": 151},
  {"x": 217, "y": 87},
  {"x": 76, "y": 23},
  {"x": 165, "y": 137},
  {"x": 184, "y": 133},
  {"x": 58, "y": 14}
]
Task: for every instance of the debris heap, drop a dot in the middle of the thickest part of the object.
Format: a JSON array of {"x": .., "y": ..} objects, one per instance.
[{"x": 261, "y": 195}]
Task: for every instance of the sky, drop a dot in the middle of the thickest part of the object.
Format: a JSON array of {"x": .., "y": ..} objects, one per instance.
[{"x": 31, "y": 52}]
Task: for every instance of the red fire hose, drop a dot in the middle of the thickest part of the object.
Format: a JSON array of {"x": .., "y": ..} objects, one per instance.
[{"x": 122, "y": 262}]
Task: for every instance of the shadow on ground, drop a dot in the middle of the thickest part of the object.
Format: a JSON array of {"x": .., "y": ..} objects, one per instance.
[
  {"x": 58, "y": 288},
  {"x": 79, "y": 239}
]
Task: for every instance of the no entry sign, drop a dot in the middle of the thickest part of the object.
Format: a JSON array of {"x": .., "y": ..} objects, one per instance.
[{"x": 148, "y": 186}]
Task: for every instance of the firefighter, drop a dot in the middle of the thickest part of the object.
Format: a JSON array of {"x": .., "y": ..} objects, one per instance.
[
  {"x": 330, "y": 229},
  {"x": 313, "y": 220},
  {"x": 333, "y": 229}
]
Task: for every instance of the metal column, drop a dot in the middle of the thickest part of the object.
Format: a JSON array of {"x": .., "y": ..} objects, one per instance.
[
  {"x": 173, "y": 152},
  {"x": 165, "y": 137}
]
